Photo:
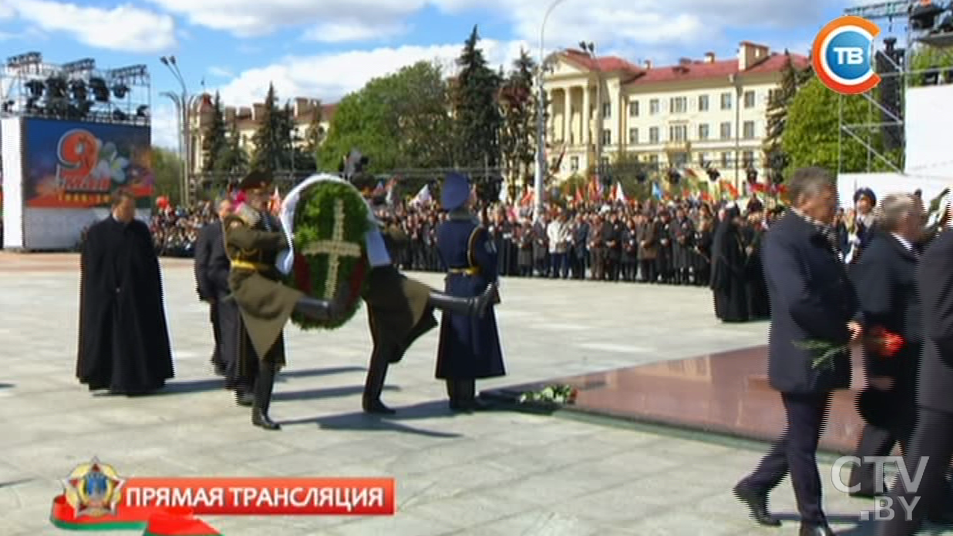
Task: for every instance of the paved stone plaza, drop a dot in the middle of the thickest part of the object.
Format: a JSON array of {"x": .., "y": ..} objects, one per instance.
[{"x": 496, "y": 473}]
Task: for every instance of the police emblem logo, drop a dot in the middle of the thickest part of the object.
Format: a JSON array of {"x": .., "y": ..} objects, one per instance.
[{"x": 93, "y": 489}]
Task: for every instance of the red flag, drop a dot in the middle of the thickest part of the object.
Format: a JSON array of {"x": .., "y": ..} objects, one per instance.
[{"x": 579, "y": 196}]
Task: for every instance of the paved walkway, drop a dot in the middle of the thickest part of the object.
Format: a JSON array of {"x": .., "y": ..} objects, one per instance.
[{"x": 487, "y": 474}]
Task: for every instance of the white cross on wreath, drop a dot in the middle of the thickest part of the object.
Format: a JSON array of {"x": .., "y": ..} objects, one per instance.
[{"x": 335, "y": 248}]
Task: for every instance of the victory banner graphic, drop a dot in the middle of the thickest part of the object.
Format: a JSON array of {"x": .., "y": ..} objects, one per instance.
[
  {"x": 69, "y": 164},
  {"x": 96, "y": 497}
]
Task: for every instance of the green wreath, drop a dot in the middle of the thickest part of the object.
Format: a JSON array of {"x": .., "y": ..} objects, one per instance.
[{"x": 330, "y": 221}]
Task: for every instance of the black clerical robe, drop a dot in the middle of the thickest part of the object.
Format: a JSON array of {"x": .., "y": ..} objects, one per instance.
[
  {"x": 123, "y": 336},
  {"x": 728, "y": 277}
]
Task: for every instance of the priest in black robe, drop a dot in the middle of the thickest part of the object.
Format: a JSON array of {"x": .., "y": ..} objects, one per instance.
[
  {"x": 123, "y": 336},
  {"x": 728, "y": 269}
]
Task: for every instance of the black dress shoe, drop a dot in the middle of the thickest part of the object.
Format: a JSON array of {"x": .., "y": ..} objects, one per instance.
[
  {"x": 863, "y": 494},
  {"x": 262, "y": 420},
  {"x": 377, "y": 408},
  {"x": 219, "y": 368},
  {"x": 811, "y": 529},
  {"x": 757, "y": 503}
]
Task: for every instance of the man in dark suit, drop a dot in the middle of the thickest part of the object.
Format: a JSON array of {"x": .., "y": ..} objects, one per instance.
[
  {"x": 885, "y": 279},
  {"x": 211, "y": 275},
  {"x": 932, "y": 439},
  {"x": 811, "y": 299}
]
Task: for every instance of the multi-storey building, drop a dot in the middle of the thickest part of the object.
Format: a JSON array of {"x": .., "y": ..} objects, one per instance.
[
  {"x": 246, "y": 121},
  {"x": 696, "y": 114}
]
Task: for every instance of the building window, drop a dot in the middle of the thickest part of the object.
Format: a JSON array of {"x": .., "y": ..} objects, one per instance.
[
  {"x": 726, "y": 101},
  {"x": 703, "y": 131},
  {"x": 653, "y": 159},
  {"x": 679, "y": 160},
  {"x": 678, "y": 133},
  {"x": 574, "y": 163},
  {"x": 653, "y": 135},
  {"x": 748, "y": 159},
  {"x": 703, "y": 160},
  {"x": 749, "y": 130},
  {"x": 634, "y": 108},
  {"x": 726, "y": 131},
  {"x": 678, "y": 105},
  {"x": 703, "y": 103},
  {"x": 634, "y": 136},
  {"x": 749, "y": 99},
  {"x": 726, "y": 160},
  {"x": 604, "y": 162},
  {"x": 607, "y": 110},
  {"x": 653, "y": 107},
  {"x": 607, "y": 137}
]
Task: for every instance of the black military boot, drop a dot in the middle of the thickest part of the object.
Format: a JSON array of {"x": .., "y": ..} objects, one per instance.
[
  {"x": 464, "y": 306},
  {"x": 374, "y": 385},
  {"x": 316, "y": 309},
  {"x": 263, "y": 389}
]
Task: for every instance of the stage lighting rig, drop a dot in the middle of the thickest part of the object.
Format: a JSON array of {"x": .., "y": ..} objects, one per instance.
[
  {"x": 120, "y": 90},
  {"x": 57, "y": 88},
  {"x": 923, "y": 16},
  {"x": 142, "y": 111},
  {"x": 99, "y": 88},
  {"x": 21, "y": 60},
  {"x": 119, "y": 115},
  {"x": 36, "y": 88},
  {"x": 78, "y": 89}
]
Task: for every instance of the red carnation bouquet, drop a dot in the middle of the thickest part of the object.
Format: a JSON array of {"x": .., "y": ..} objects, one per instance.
[{"x": 878, "y": 341}]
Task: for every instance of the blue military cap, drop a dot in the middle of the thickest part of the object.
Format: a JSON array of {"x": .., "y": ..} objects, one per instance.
[
  {"x": 865, "y": 192},
  {"x": 455, "y": 192}
]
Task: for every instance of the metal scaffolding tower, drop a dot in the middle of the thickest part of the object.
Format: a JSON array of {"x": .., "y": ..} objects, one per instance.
[
  {"x": 78, "y": 91},
  {"x": 904, "y": 24}
]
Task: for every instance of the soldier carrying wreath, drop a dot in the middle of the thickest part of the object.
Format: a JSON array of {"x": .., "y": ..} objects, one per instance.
[
  {"x": 400, "y": 309},
  {"x": 253, "y": 240}
]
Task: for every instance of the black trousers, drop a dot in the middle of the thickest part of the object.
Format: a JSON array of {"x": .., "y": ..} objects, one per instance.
[
  {"x": 795, "y": 453},
  {"x": 227, "y": 322},
  {"x": 932, "y": 442},
  {"x": 213, "y": 317},
  {"x": 874, "y": 441}
]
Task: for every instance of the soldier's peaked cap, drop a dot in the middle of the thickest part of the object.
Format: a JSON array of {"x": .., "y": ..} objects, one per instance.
[
  {"x": 455, "y": 192},
  {"x": 256, "y": 180}
]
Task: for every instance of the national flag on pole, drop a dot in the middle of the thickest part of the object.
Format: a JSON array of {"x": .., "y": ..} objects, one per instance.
[
  {"x": 274, "y": 204},
  {"x": 527, "y": 198},
  {"x": 731, "y": 189},
  {"x": 656, "y": 191},
  {"x": 617, "y": 193},
  {"x": 423, "y": 196}
]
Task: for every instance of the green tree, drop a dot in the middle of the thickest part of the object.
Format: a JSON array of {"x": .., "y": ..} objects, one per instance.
[
  {"x": 478, "y": 119},
  {"x": 234, "y": 160},
  {"x": 519, "y": 109},
  {"x": 315, "y": 133},
  {"x": 273, "y": 137},
  {"x": 778, "y": 105},
  {"x": 214, "y": 143},
  {"x": 167, "y": 170},
  {"x": 927, "y": 58},
  {"x": 398, "y": 121}
]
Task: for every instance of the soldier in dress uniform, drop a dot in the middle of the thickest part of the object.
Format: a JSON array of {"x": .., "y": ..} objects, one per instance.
[
  {"x": 469, "y": 348},
  {"x": 253, "y": 239}
]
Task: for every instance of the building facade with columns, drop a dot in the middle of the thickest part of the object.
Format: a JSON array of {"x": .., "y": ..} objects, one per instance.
[
  {"x": 247, "y": 119},
  {"x": 692, "y": 115}
]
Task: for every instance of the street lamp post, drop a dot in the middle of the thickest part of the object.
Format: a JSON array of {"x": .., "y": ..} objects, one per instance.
[
  {"x": 178, "y": 123},
  {"x": 541, "y": 118},
  {"x": 185, "y": 105},
  {"x": 736, "y": 81}
]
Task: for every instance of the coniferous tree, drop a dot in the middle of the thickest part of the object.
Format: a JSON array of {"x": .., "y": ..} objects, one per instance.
[
  {"x": 777, "y": 114},
  {"x": 214, "y": 143},
  {"x": 234, "y": 160},
  {"x": 519, "y": 108},
  {"x": 270, "y": 150},
  {"x": 478, "y": 119}
]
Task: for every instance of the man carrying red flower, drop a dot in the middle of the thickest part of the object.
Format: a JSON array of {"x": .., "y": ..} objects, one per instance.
[{"x": 885, "y": 279}]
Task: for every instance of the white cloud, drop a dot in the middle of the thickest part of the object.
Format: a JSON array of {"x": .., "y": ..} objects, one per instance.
[
  {"x": 125, "y": 28},
  {"x": 220, "y": 72},
  {"x": 341, "y": 32},
  {"x": 329, "y": 77},
  {"x": 255, "y": 17},
  {"x": 165, "y": 126}
]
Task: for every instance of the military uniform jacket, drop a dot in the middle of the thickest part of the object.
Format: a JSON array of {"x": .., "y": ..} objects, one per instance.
[{"x": 253, "y": 240}]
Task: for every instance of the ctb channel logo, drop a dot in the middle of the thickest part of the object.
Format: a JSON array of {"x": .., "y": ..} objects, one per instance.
[{"x": 843, "y": 55}]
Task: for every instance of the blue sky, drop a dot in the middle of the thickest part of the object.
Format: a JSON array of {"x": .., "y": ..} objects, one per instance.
[{"x": 326, "y": 48}]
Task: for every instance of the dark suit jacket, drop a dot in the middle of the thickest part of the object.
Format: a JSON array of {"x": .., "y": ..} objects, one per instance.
[
  {"x": 885, "y": 279},
  {"x": 211, "y": 263},
  {"x": 935, "y": 282},
  {"x": 811, "y": 298}
]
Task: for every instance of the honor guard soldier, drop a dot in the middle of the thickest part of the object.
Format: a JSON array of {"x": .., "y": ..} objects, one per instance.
[
  {"x": 253, "y": 238},
  {"x": 469, "y": 347}
]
